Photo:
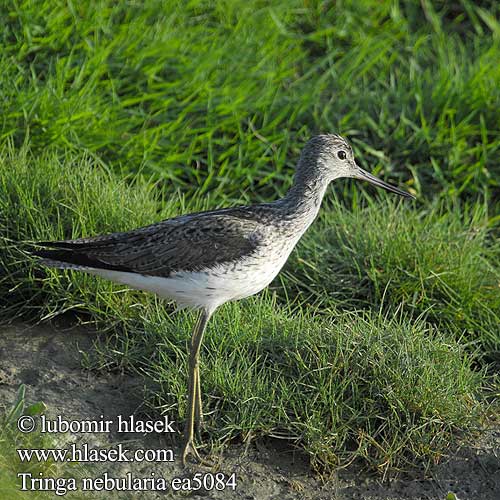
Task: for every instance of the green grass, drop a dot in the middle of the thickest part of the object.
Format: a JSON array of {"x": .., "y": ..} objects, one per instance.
[
  {"x": 375, "y": 341},
  {"x": 200, "y": 95},
  {"x": 389, "y": 392},
  {"x": 441, "y": 261}
]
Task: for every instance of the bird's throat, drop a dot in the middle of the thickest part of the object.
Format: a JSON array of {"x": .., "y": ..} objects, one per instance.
[{"x": 303, "y": 200}]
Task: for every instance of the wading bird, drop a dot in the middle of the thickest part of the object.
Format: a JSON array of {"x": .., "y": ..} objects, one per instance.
[{"x": 205, "y": 259}]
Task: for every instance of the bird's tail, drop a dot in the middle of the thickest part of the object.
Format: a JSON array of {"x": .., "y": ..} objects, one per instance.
[
  {"x": 81, "y": 255},
  {"x": 63, "y": 259}
]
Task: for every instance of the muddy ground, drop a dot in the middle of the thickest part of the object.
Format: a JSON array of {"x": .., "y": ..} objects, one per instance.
[{"x": 48, "y": 361}]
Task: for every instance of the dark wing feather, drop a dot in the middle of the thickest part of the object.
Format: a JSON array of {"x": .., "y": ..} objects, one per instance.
[{"x": 190, "y": 243}]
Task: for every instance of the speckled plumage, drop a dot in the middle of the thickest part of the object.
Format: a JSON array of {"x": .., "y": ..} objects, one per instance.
[{"x": 199, "y": 260}]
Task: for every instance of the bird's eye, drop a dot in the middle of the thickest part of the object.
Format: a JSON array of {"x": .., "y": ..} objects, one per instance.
[{"x": 342, "y": 155}]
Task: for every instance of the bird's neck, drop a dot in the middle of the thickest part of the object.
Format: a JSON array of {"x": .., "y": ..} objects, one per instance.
[{"x": 303, "y": 200}]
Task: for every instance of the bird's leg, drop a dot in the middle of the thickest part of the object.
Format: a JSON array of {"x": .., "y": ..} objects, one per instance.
[
  {"x": 198, "y": 412},
  {"x": 194, "y": 392}
]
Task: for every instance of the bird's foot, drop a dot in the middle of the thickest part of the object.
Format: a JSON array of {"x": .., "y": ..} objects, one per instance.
[{"x": 190, "y": 449}]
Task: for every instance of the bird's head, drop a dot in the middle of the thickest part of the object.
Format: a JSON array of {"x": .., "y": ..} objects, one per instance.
[{"x": 331, "y": 157}]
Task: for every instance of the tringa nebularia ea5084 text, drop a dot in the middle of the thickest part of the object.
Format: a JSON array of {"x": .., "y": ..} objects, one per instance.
[{"x": 205, "y": 259}]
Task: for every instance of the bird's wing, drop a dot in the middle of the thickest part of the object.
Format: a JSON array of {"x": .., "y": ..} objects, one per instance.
[{"x": 189, "y": 243}]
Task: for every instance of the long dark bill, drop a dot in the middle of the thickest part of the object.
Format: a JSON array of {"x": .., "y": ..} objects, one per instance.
[{"x": 366, "y": 176}]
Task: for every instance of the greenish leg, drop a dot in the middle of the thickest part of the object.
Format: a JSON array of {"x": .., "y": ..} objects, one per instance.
[
  {"x": 194, "y": 411},
  {"x": 198, "y": 411}
]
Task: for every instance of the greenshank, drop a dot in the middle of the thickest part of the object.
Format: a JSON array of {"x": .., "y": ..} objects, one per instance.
[{"x": 205, "y": 259}]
